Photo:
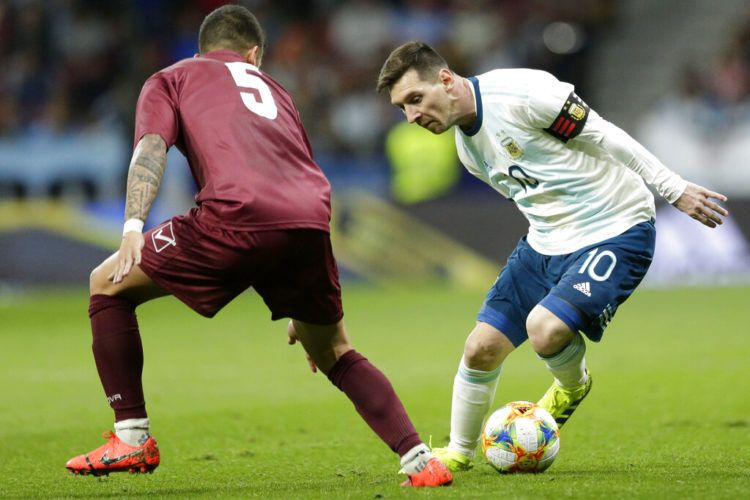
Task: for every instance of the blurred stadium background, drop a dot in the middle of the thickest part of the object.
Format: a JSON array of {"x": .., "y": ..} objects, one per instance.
[{"x": 674, "y": 73}]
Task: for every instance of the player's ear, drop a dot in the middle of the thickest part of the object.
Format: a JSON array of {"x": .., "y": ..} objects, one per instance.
[
  {"x": 254, "y": 55},
  {"x": 445, "y": 76}
]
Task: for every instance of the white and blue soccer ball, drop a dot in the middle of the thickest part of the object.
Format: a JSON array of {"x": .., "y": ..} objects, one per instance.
[{"x": 520, "y": 437}]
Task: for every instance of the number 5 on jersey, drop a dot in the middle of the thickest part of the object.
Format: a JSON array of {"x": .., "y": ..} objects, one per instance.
[{"x": 261, "y": 100}]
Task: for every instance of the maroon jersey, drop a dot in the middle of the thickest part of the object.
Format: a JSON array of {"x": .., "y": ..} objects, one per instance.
[{"x": 243, "y": 139}]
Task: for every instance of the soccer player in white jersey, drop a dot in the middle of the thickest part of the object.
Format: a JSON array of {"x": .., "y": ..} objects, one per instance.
[{"x": 581, "y": 183}]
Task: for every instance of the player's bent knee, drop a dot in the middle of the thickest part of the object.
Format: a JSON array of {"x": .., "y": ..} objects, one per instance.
[
  {"x": 98, "y": 281},
  {"x": 478, "y": 352},
  {"x": 486, "y": 348},
  {"x": 547, "y": 333}
]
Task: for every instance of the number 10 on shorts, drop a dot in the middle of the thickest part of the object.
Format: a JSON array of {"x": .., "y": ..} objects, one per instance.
[{"x": 592, "y": 262}]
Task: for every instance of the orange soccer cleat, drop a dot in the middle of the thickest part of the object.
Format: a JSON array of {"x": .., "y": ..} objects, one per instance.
[
  {"x": 435, "y": 473},
  {"x": 116, "y": 456}
]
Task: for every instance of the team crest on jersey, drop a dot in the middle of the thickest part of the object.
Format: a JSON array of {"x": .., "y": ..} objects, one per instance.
[
  {"x": 576, "y": 112},
  {"x": 163, "y": 237},
  {"x": 511, "y": 146}
]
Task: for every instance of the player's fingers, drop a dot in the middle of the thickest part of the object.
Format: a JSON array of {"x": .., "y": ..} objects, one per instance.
[
  {"x": 714, "y": 195},
  {"x": 717, "y": 208},
  {"x": 122, "y": 267},
  {"x": 291, "y": 333},
  {"x": 127, "y": 266},
  {"x": 121, "y": 271},
  {"x": 708, "y": 222},
  {"x": 704, "y": 219},
  {"x": 313, "y": 366},
  {"x": 712, "y": 216},
  {"x": 116, "y": 271},
  {"x": 708, "y": 212}
]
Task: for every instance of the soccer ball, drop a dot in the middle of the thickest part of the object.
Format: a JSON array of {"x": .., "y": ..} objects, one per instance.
[{"x": 520, "y": 437}]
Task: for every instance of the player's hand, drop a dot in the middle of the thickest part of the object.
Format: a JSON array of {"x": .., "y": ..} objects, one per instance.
[
  {"x": 696, "y": 202},
  {"x": 293, "y": 340},
  {"x": 128, "y": 255}
]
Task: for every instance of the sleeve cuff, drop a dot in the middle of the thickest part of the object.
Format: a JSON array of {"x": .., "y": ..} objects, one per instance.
[{"x": 673, "y": 192}]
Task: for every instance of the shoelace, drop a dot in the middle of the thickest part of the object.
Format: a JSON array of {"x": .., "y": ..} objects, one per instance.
[{"x": 109, "y": 435}]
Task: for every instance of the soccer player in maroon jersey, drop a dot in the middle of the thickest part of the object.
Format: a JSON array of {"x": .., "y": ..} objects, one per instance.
[{"x": 262, "y": 220}]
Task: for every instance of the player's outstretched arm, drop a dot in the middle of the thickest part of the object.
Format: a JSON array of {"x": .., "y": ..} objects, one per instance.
[
  {"x": 696, "y": 202},
  {"x": 144, "y": 176},
  {"x": 690, "y": 198}
]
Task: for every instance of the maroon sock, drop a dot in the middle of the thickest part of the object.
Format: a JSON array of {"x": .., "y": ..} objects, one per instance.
[
  {"x": 375, "y": 400},
  {"x": 118, "y": 354}
]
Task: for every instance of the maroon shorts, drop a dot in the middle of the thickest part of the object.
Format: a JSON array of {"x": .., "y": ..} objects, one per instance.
[{"x": 206, "y": 267}]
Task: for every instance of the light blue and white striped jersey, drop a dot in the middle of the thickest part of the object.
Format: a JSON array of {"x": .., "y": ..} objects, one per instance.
[{"x": 538, "y": 144}]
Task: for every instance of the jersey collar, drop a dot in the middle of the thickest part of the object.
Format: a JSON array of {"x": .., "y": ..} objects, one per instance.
[
  {"x": 223, "y": 55},
  {"x": 478, "y": 99}
]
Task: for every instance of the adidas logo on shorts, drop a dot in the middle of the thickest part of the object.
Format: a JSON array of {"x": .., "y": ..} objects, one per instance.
[{"x": 584, "y": 288}]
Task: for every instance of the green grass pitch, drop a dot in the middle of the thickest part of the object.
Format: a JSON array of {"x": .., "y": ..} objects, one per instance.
[{"x": 238, "y": 414}]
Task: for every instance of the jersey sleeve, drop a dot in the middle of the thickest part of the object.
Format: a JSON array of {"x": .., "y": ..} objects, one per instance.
[
  {"x": 156, "y": 111},
  {"x": 554, "y": 107},
  {"x": 584, "y": 124},
  {"x": 629, "y": 152}
]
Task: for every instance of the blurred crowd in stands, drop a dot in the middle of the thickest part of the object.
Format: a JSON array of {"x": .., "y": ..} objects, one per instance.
[
  {"x": 71, "y": 71},
  {"x": 701, "y": 128}
]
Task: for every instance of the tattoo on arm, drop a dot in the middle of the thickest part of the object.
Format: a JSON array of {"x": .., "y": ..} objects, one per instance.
[{"x": 144, "y": 176}]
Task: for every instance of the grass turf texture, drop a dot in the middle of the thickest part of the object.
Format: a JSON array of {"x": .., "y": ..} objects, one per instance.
[{"x": 238, "y": 414}]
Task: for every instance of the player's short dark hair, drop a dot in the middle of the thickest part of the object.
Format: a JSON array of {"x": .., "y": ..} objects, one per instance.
[
  {"x": 416, "y": 55},
  {"x": 230, "y": 27}
]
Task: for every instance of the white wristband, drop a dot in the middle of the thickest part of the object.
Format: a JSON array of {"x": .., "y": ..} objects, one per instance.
[{"x": 132, "y": 225}]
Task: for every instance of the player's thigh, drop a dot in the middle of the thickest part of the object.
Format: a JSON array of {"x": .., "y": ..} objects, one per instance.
[
  {"x": 518, "y": 289},
  {"x": 137, "y": 286},
  {"x": 600, "y": 278},
  {"x": 202, "y": 265},
  {"x": 302, "y": 280}
]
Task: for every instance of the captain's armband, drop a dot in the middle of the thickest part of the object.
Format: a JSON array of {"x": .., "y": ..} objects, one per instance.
[{"x": 571, "y": 119}]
